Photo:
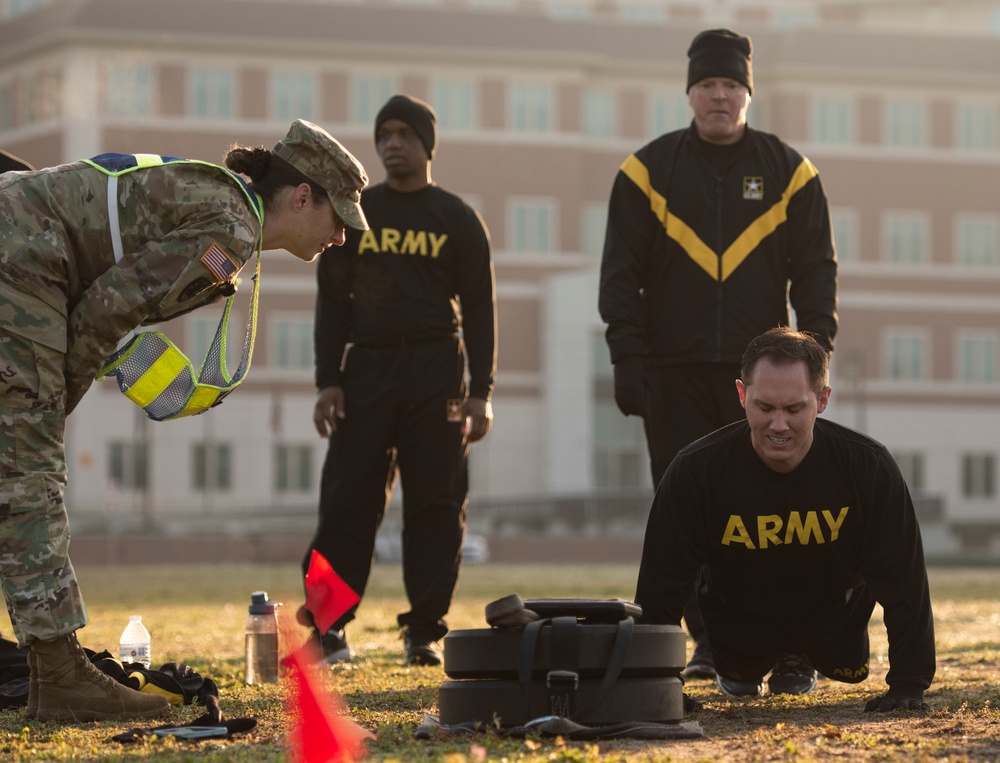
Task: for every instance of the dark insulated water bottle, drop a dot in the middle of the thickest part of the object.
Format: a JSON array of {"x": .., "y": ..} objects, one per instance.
[{"x": 262, "y": 640}]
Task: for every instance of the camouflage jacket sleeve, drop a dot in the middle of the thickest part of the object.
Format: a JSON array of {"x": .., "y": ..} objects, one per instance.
[{"x": 162, "y": 279}]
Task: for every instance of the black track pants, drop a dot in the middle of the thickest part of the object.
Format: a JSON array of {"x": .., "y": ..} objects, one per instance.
[
  {"x": 403, "y": 406},
  {"x": 687, "y": 402},
  {"x": 747, "y": 644}
]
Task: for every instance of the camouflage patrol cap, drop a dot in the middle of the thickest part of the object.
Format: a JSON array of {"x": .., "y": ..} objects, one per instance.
[{"x": 320, "y": 157}]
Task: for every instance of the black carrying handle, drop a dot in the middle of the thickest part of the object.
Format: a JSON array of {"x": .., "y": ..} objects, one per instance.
[{"x": 616, "y": 661}]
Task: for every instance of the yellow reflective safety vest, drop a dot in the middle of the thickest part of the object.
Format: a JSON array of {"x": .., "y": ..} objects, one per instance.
[{"x": 150, "y": 369}]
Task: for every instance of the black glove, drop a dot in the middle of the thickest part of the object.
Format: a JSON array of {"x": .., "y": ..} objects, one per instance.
[
  {"x": 912, "y": 699},
  {"x": 630, "y": 385}
]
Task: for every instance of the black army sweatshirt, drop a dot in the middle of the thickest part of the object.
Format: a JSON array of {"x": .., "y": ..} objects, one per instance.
[
  {"x": 787, "y": 545},
  {"x": 422, "y": 272}
]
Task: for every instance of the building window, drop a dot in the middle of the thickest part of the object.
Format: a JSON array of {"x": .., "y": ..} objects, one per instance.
[
  {"x": 294, "y": 96},
  {"x": 39, "y": 97},
  {"x": 368, "y": 96},
  {"x": 454, "y": 102},
  {"x": 912, "y": 467},
  {"x": 128, "y": 464},
  {"x": 639, "y": 13},
  {"x": 293, "y": 343},
  {"x": 8, "y": 117},
  {"x": 906, "y": 237},
  {"x": 531, "y": 108},
  {"x": 201, "y": 330},
  {"x": 531, "y": 225},
  {"x": 976, "y": 358},
  {"x": 667, "y": 113},
  {"x": 833, "y": 120},
  {"x": 212, "y": 94},
  {"x": 844, "y": 223},
  {"x": 14, "y": 8},
  {"x": 905, "y": 124},
  {"x": 976, "y": 128},
  {"x": 905, "y": 354},
  {"x": 795, "y": 17},
  {"x": 567, "y": 9},
  {"x": 293, "y": 468},
  {"x": 594, "y": 223},
  {"x": 620, "y": 457},
  {"x": 977, "y": 240},
  {"x": 491, "y": 5},
  {"x": 979, "y": 475},
  {"x": 211, "y": 466},
  {"x": 598, "y": 114},
  {"x": 130, "y": 91}
]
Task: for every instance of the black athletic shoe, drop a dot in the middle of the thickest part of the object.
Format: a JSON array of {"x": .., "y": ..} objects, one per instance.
[
  {"x": 701, "y": 665},
  {"x": 420, "y": 651},
  {"x": 323, "y": 650},
  {"x": 335, "y": 648},
  {"x": 792, "y": 674},
  {"x": 740, "y": 689}
]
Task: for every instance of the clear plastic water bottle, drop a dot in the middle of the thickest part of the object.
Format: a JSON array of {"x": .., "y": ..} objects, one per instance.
[
  {"x": 261, "y": 637},
  {"x": 133, "y": 646}
]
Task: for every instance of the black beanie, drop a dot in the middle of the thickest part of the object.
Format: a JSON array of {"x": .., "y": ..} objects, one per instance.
[
  {"x": 417, "y": 114},
  {"x": 721, "y": 53}
]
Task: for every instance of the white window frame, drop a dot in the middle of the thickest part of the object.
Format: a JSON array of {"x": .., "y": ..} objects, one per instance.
[
  {"x": 906, "y": 354},
  {"x": 455, "y": 101},
  {"x": 976, "y": 356},
  {"x": 977, "y": 126},
  {"x": 667, "y": 112},
  {"x": 212, "y": 466},
  {"x": 906, "y": 123},
  {"x": 531, "y": 107},
  {"x": 294, "y": 468},
  {"x": 834, "y": 121},
  {"x": 846, "y": 227},
  {"x": 598, "y": 113},
  {"x": 369, "y": 93},
  {"x": 979, "y": 475},
  {"x": 129, "y": 90},
  {"x": 213, "y": 93},
  {"x": 532, "y": 224},
  {"x": 593, "y": 229},
  {"x": 294, "y": 95},
  {"x": 977, "y": 240},
  {"x": 903, "y": 231},
  {"x": 292, "y": 341}
]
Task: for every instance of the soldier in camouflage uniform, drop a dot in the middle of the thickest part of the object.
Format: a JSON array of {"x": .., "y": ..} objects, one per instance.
[{"x": 65, "y": 302}]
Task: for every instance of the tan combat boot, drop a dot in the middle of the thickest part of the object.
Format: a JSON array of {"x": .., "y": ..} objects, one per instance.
[
  {"x": 31, "y": 711},
  {"x": 72, "y": 688}
]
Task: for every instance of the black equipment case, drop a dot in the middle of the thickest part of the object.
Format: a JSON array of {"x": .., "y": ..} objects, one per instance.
[{"x": 582, "y": 659}]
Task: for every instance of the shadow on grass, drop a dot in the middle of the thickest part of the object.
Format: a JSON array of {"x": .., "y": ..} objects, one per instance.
[{"x": 414, "y": 700}]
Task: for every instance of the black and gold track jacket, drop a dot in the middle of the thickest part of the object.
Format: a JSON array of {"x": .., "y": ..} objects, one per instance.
[{"x": 705, "y": 247}]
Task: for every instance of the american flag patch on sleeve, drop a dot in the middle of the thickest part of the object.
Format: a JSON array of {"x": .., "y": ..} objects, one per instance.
[{"x": 220, "y": 263}]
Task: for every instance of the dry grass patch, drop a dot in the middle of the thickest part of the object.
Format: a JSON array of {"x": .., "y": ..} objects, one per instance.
[{"x": 196, "y": 616}]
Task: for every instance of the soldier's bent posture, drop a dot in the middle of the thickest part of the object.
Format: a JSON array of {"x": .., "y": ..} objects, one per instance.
[{"x": 89, "y": 251}]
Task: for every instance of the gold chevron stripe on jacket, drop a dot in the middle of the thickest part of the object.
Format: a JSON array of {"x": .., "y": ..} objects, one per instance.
[{"x": 703, "y": 255}]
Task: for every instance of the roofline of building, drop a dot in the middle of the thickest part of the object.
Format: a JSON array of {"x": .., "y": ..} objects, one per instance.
[{"x": 503, "y": 38}]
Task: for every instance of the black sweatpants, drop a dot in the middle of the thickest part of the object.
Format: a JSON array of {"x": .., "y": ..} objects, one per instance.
[
  {"x": 687, "y": 402},
  {"x": 746, "y": 644},
  {"x": 403, "y": 409}
]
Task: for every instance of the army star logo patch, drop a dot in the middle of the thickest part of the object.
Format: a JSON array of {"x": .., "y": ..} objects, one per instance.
[
  {"x": 220, "y": 263},
  {"x": 454, "y": 410},
  {"x": 753, "y": 188}
]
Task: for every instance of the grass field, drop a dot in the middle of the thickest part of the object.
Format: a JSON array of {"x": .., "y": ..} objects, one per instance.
[{"x": 196, "y": 614}]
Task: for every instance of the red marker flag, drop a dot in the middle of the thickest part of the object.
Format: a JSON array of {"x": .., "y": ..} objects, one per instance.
[
  {"x": 327, "y": 595},
  {"x": 317, "y": 732}
]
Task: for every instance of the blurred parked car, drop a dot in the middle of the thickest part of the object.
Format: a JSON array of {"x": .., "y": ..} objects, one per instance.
[{"x": 389, "y": 548}]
